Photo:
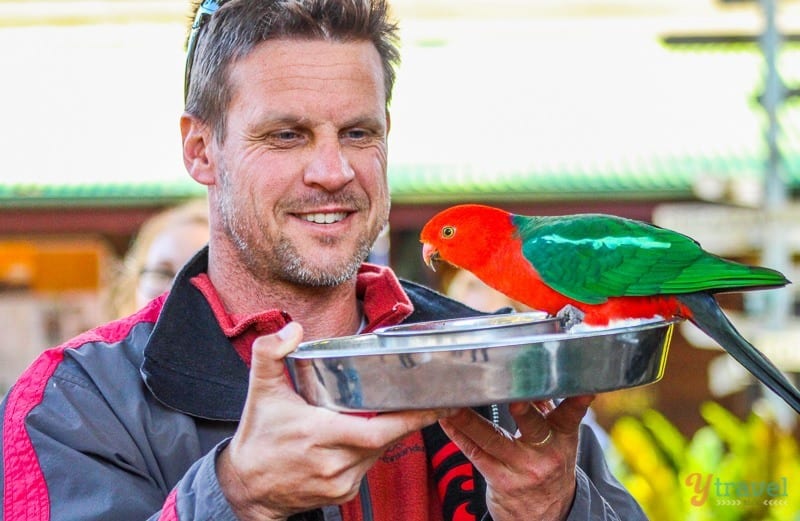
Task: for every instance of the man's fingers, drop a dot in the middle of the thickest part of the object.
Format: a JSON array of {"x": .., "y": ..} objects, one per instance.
[
  {"x": 476, "y": 436},
  {"x": 267, "y": 369},
  {"x": 568, "y": 415},
  {"x": 387, "y": 428},
  {"x": 531, "y": 421},
  {"x": 538, "y": 421}
]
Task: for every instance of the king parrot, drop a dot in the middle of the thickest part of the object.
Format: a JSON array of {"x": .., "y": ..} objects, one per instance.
[{"x": 607, "y": 268}]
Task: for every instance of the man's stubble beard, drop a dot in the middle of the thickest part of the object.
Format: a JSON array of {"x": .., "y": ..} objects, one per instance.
[{"x": 283, "y": 262}]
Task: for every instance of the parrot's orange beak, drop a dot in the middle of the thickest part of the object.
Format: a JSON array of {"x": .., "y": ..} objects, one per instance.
[{"x": 431, "y": 255}]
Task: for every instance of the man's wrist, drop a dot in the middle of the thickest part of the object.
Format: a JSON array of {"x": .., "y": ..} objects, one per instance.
[{"x": 236, "y": 491}]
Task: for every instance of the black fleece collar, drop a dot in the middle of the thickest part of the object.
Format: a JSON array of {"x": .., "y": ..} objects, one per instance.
[{"x": 189, "y": 364}]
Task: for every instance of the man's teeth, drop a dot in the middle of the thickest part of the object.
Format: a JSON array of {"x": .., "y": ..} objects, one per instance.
[{"x": 324, "y": 218}]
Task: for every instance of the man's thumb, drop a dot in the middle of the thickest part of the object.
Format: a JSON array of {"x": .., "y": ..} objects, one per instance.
[{"x": 269, "y": 351}]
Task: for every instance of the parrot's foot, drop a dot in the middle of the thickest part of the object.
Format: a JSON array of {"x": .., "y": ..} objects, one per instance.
[{"x": 570, "y": 316}]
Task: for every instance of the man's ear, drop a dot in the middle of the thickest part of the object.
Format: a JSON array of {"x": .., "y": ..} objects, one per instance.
[{"x": 197, "y": 149}]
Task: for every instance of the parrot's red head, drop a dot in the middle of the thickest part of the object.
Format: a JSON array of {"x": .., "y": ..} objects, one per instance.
[{"x": 465, "y": 235}]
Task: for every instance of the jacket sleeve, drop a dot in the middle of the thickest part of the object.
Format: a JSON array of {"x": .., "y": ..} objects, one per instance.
[
  {"x": 69, "y": 454},
  {"x": 198, "y": 495},
  {"x": 598, "y": 494}
]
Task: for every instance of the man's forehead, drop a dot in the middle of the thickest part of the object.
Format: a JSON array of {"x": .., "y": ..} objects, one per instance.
[
  {"x": 295, "y": 69},
  {"x": 287, "y": 57}
]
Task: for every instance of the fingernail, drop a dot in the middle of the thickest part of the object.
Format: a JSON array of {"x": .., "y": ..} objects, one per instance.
[{"x": 289, "y": 330}]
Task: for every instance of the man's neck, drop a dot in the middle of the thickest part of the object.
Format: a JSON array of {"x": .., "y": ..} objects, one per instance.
[{"x": 323, "y": 312}]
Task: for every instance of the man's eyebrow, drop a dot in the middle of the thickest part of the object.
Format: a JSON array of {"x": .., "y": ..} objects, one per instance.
[
  {"x": 266, "y": 123},
  {"x": 365, "y": 121},
  {"x": 278, "y": 119},
  {"x": 272, "y": 118}
]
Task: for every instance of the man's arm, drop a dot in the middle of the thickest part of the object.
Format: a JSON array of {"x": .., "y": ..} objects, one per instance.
[{"x": 79, "y": 448}]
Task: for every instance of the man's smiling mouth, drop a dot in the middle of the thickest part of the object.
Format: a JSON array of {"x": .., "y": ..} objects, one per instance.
[{"x": 323, "y": 218}]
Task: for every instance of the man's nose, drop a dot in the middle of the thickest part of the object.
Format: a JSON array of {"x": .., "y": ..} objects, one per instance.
[{"x": 329, "y": 167}]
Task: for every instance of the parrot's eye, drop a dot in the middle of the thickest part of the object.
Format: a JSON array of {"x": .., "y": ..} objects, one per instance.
[{"x": 448, "y": 232}]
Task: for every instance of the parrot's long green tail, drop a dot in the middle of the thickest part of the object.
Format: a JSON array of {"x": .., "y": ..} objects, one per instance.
[{"x": 708, "y": 316}]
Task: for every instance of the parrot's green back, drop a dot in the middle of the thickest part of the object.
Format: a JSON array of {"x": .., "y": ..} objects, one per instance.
[{"x": 590, "y": 257}]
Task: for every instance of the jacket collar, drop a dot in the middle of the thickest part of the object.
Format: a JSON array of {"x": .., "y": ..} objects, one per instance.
[
  {"x": 190, "y": 362},
  {"x": 189, "y": 365}
]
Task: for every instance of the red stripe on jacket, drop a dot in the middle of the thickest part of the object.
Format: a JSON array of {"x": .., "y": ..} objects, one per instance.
[
  {"x": 169, "y": 512},
  {"x": 25, "y": 495}
]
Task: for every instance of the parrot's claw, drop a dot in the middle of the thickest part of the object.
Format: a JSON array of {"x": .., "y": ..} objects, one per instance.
[{"x": 570, "y": 316}]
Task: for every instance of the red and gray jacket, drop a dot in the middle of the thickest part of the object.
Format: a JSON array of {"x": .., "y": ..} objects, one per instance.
[{"x": 125, "y": 421}]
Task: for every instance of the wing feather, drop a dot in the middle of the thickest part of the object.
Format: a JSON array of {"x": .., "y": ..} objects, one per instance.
[{"x": 591, "y": 257}]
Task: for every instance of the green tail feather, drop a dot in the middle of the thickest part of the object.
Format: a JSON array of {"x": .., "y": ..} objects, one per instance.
[{"x": 745, "y": 278}]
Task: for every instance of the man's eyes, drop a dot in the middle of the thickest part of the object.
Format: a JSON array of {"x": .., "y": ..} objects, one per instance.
[
  {"x": 286, "y": 135},
  {"x": 358, "y": 134}
]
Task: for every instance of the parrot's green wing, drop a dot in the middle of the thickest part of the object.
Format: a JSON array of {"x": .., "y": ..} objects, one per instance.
[{"x": 591, "y": 257}]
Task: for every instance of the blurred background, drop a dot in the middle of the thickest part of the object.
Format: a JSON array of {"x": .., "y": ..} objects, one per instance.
[{"x": 678, "y": 112}]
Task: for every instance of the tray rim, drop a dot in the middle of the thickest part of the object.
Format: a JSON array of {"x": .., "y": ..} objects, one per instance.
[
  {"x": 413, "y": 329},
  {"x": 306, "y": 351}
]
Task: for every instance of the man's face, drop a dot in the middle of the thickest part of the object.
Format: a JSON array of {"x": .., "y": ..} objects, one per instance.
[{"x": 302, "y": 190}]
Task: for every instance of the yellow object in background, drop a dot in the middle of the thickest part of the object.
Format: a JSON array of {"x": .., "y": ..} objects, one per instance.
[
  {"x": 52, "y": 265},
  {"x": 730, "y": 469}
]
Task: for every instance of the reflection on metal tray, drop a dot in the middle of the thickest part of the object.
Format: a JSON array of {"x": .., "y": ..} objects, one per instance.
[
  {"x": 474, "y": 330},
  {"x": 476, "y": 361}
]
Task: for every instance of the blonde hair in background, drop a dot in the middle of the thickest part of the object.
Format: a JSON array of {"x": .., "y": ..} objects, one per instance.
[{"x": 121, "y": 298}]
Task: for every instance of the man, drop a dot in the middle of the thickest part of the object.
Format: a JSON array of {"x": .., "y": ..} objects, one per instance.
[{"x": 184, "y": 411}]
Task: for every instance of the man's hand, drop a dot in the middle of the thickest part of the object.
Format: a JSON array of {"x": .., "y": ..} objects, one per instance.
[
  {"x": 531, "y": 474},
  {"x": 288, "y": 456}
]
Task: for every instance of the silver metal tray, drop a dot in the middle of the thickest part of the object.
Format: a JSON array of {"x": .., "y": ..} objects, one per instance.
[{"x": 476, "y": 361}]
